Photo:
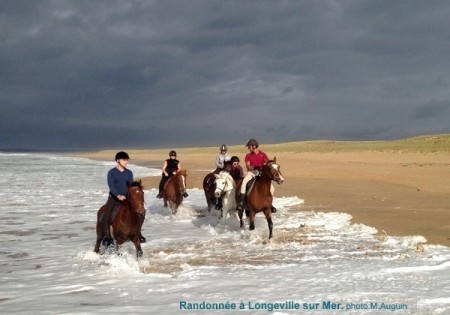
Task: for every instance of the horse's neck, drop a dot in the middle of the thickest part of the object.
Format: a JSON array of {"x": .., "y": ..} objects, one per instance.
[
  {"x": 231, "y": 182},
  {"x": 264, "y": 181}
]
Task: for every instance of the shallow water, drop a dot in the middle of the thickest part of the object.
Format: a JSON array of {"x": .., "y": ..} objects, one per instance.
[{"x": 315, "y": 261}]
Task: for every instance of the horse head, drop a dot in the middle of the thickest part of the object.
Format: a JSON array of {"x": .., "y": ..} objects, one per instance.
[
  {"x": 273, "y": 171},
  {"x": 136, "y": 198},
  {"x": 224, "y": 183}
]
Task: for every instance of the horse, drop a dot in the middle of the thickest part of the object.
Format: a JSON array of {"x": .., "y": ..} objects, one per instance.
[
  {"x": 226, "y": 188},
  {"x": 174, "y": 189},
  {"x": 127, "y": 223},
  {"x": 260, "y": 199},
  {"x": 209, "y": 186}
]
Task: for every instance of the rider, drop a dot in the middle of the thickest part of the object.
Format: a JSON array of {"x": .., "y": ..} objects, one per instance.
[
  {"x": 221, "y": 159},
  {"x": 236, "y": 170},
  {"x": 119, "y": 178},
  {"x": 170, "y": 167},
  {"x": 254, "y": 161}
]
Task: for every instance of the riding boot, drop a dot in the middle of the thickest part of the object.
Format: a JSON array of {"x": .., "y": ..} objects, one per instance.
[
  {"x": 143, "y": 239},
  {"x": 109, "y": 207},
  {"x": 240, "y": 206},
  {"x": 185, "y": 194},
  {"x": 162, "y": 182},
  {"x": 273, "y": 209}
]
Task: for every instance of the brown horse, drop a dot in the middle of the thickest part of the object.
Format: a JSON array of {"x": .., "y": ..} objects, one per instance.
[
  {"x": 209, "y": 186},
  {"x": 260, "y": 199},
  {"x": 127, "y": 223},
  {"x": 173, "y": 190}
]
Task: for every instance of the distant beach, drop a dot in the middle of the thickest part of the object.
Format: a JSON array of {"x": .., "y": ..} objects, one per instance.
[{"x": 400, "y": 187}]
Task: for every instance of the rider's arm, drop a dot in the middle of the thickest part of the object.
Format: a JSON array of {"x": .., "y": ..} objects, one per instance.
[
  {"x": 219, "y": 161},
  {"x": 112, "y": 188},
  {"x": 241, "y": 172},
  {"x": 164, "y": 168}
]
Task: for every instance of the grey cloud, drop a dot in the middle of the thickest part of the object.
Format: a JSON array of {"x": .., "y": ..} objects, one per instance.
[
  {"x": 88, "y": 74},
  {"x": 432, "y": 109}
]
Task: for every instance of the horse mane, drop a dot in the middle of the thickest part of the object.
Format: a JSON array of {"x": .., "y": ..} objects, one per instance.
[
  {"x": 137, "y": 184},
  {"x": 182, "y": 172}
]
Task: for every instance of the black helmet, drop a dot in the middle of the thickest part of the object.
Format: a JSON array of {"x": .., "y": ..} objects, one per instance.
[
  {"x": 223, "y": 147},
  {"x": 234, "y": 158},
  {"x": 172, "y": 153},
  {"x": 252, "y": 142},
  {"x": 122, "y": 155}
]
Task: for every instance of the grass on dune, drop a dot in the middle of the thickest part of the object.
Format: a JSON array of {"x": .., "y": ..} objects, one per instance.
[{"x": 419, "y": 144}]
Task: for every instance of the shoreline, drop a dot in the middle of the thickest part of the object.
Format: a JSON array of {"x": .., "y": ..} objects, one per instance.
[{"x": 399, "y": 193}]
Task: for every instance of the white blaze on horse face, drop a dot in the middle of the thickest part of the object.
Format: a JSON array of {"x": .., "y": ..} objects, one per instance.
[{"x": 276, "y": 167}]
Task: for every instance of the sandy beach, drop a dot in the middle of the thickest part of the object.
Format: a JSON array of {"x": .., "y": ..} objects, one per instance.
[{"x": 399, "y": 192}]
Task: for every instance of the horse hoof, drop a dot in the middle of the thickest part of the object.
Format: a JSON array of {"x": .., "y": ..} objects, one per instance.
[{"x": 107, "y": 241}]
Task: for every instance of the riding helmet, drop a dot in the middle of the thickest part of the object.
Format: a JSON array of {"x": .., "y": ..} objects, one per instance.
[
  {"x": 122, "y": 156},
  {"x": 234, "y": 158},
  {"x": 223, "y": 147},
  {"x": 252, "y": 142},
  {"x": 172, "y": 153}
]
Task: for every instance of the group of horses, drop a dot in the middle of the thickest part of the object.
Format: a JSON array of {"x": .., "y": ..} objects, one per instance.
[{"x": 129, "y": 215}]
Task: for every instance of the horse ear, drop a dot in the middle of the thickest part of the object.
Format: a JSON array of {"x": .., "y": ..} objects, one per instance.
[
  {"x": 275, "y": 159},
  {"x": 217, "y": 176}
]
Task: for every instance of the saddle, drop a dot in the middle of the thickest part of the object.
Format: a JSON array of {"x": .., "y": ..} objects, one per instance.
[
  {"x": 113, "y": 214},
  {"x": 250, "y": 185}
]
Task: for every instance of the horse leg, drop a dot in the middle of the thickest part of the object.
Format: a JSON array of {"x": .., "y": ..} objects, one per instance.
[
  {"x": 137, "y": 245},
  {"x": 208, "y": 202},
  {"x": 99, "y": 230},
  {"x": 224, "y": 211},
  {"x": 173, "y": 207},
  {"x": 241, "y": 221},
  {"x": 99, "y": 238},
  {"x": 251, "y": 220},
  {"x": 268, "y": 214}
]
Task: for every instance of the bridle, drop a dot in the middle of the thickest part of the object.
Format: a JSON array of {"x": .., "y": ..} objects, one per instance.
[
  {"x": 140, "y": 214},
  {"x": 275, "y": 176},
  {"x": 224, "y": 189}
]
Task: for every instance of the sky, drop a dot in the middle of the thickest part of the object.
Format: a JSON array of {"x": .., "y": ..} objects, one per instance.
[{"x": 79, "y": 75}]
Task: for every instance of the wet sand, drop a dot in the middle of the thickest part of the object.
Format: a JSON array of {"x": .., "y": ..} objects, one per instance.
[{"x": 398, "y": 193}]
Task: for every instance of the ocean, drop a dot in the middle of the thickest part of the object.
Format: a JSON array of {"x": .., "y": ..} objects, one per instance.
[{"x": 317, "y": 263}]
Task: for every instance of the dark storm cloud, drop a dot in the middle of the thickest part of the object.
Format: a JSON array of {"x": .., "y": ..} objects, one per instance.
[{"x": 88, "y": 74}]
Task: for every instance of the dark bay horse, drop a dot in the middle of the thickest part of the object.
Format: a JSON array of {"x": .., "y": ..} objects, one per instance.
[
  {"x": 260, "y": 199},
  {"x": 209, "y": 186},
  {"x": 174, "y": 189},
  {"x": 127, "y": 223}
]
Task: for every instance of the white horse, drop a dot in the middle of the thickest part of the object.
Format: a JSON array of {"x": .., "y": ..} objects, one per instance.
[{"x": 226, "y": 188}]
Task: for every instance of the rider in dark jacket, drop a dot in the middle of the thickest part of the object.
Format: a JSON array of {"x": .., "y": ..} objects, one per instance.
[{"x": 170, "y": 167}]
